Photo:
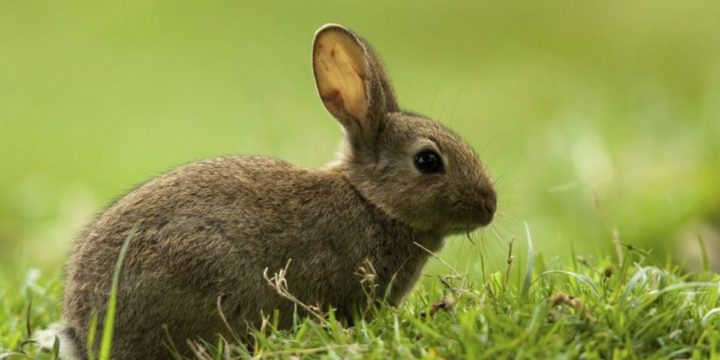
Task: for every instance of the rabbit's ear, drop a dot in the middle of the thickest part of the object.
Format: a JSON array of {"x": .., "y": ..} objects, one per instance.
[{"x": 351, "y": 82}]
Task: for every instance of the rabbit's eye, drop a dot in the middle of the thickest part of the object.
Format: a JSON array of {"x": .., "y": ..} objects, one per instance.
[{"x": 428, "y": 162}]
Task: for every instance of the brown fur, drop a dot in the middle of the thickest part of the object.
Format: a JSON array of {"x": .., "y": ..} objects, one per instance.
[{"x": 209, "y": 229}]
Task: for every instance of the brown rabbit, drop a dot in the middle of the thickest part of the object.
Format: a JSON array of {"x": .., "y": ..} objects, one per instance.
[{"x": 208, "y": 230}]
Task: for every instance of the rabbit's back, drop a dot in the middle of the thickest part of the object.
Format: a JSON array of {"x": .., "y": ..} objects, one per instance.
[{"x": 205, "y": 234}]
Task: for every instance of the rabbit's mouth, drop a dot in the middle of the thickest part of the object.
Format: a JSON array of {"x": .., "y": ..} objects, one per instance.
[
  {"x": 460, "y": 229},
  {"x": 464, "y": 227},
  {"x": 470, "y": 216}
]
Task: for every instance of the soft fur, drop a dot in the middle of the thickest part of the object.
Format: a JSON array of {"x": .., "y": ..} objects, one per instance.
[{"x": 208, "y": 230}]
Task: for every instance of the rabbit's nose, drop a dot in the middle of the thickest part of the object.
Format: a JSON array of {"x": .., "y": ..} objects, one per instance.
[{"x": 489, "y": 202}]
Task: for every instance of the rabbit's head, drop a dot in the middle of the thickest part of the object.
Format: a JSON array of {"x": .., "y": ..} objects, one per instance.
[{"x": 414, "y": 169}]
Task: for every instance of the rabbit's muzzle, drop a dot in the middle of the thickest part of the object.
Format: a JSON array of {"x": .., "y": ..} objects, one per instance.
[
  {"x": 489, "y": 206},
  {"x": 475, "y": 207}
]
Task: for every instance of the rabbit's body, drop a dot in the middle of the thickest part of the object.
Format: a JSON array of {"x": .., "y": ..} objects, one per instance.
[
  {"x": 207, "y": 232},
  {"x": 239, "y": 216}
]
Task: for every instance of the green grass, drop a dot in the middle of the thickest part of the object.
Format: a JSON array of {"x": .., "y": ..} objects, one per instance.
[
  {"x": 588, "y": 115},
  {"x": 108, "y": 328},
  {"x": 599, "y": 121},
  {"x": 592, "y": 309}
]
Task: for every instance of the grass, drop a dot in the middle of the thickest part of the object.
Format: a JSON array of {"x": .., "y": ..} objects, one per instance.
[
  {"x": 108, "y": 328},
  {"x": 598, "y": 120},
  {"x": 567, "y": 105},
  {"x": 592, "y": 309}
]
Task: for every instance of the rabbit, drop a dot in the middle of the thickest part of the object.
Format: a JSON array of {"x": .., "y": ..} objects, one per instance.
[{"x": 208, "y": 234}]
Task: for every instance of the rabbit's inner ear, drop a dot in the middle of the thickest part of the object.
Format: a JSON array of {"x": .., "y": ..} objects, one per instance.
[{"x": 341, "y": 74}]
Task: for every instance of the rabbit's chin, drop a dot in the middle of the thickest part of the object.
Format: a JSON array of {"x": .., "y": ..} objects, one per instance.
[
  {"x": 462, "y": 229},
  {"x": 468, "y": 225},
  {"x": 450, "y": 228}
]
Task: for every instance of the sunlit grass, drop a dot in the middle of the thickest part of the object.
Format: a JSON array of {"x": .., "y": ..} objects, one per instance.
[
  {"x": 109, "y": 320},
  {"x": 601, "y": 309},
  {"x": 569, "y": 106},
  {"x": 599, "y": 122}
]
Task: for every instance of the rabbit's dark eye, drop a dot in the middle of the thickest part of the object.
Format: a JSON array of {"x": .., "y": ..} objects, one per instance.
[{"x": 428, "y": 162}]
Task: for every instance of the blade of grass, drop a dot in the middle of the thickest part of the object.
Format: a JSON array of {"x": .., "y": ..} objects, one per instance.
[
  {"x": 106, "y": 341},
  {"x": 530, "y": 264},
  {"x": 703, "y": 254},
  {"x": 573, "y": 256},
  {"x": 56, "y": 348},
  {"x": 708, "y": 316},
  {"x": 91, "y": 337},
  {"x": 14, "y": 356},
  {"x": 640, "y": 279},
  {"x": 28, "y": 326},
  {"x": 581, "y": 278},
  {"x": 510, "y": 258}
]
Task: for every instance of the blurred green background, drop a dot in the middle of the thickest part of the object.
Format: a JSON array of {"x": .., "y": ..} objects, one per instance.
[{"x": 593, "y": 117}]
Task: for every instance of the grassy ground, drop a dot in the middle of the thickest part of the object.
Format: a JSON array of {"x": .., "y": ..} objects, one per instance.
[
  {"x": 591, "y": 117},
  {"x": 599, "y": 121},
  {"x": 629, "y": 309}
]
